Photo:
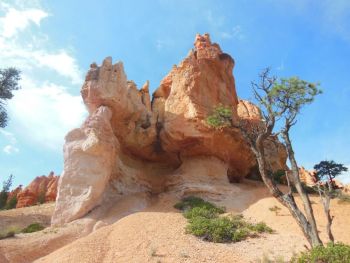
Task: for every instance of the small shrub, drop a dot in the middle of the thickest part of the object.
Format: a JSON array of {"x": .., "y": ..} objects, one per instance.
[
  {"x": 221, "y": 116},
  {"x": 7, "y": 235},
  {"x": 9, "y": 232},
  {"x": 204, "y": 221},
  {"x": 11, "y": 203},
  {"x": 41, "y": 197},
  {"x": 218, "y": 229},
  {"x": 192, "y": 202},
  {"x": 201, "y": 212},
  {"x": 240, "y": 234},
  {"x": 33, "y": 228},
  {"x": 275, "y": 209},
  {"x": 261, "y": 227},
  {"x": 332, "y": 253}
]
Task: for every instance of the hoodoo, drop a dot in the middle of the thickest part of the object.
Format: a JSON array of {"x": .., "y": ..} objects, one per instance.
[{"x": 130, "y": 143}]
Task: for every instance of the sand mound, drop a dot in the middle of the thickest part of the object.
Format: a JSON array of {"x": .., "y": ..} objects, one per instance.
[{"x": 157, "y": 234}]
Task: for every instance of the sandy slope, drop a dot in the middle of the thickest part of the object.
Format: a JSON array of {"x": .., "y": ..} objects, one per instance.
[{"x": 157, "y": 234}]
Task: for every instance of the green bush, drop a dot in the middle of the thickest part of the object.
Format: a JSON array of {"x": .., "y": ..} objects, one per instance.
[
  {"x": 218, "y": 229},
  {"x": 332, "y": 253},
  {"x": 33, "y": 228},
  {"x": 205, "y": 222},
  {"x": 261, "y": 227},
  {"x": 220, "y": 117},
  {"x": 200, "y": 212},
  {"x": 192, "y": 202}
]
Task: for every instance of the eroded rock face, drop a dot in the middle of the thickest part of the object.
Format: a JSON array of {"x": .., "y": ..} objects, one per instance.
[
  {"x": 41, "y": 189},
  {"x": 309, "y": 178},
  {"x": 132, "y": 144},
  {"x": 90, "y": 156}
]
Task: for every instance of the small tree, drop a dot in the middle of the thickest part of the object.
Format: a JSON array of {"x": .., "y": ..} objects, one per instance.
[
  {"x": 279, "y": 100},
  {"x": 6, "y": 185},
  {"x": 326, "y": 171},
  {"x": 8, "y": 82},
  {"x": 11, "y": 203}
]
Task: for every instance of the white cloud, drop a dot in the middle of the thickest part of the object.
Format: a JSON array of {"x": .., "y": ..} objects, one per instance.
[
  {"x": 61, "y": 62},
  {"x": 30, "y": 51},
  {"x": 28, "y": 57},
  {"x": 45, "y": 114},
  {"x": 17, "y": 20},
  {"x": 10, "y": 141},
  {"x": 42, "y": 112},
  {"x": 10, "y": 149}
]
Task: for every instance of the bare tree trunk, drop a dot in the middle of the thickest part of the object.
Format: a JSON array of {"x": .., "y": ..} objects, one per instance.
[
  {"x": 326, "y": 204},
  {"x": 285, "y": 199},
  {"x": 301, "y": 191},
  {"x": 326, "y": 199}
]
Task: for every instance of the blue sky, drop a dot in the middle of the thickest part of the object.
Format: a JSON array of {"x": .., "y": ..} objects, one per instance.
[{"x": 54, "y": 42}]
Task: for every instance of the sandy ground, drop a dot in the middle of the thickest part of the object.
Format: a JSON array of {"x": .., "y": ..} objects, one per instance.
[
  {"x": 157, "y": 234},
  {"x": 22, "y": 217}
]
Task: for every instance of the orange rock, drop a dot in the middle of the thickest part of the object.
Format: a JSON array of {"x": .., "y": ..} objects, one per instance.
[
  {"x": 41, "y": 189},
  {"x": 308, "y": 177},
  {"x": 14, "y": 192},
  {"x": 51, "y": 191},
  {"x": 130, "y": 143}
]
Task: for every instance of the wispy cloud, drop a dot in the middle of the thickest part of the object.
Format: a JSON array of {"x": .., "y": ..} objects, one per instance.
[
  {"x": 31, "y": 56},
  {"x": 17, "y": 20},
  {"x": 53, "y": 112},
  {"x": 10, "y": 149},
  {"x": 42, "y": 111},
  {"x": 10, "y": 141}
]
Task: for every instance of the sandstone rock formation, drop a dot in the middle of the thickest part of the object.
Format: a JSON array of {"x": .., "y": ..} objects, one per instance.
[
  {"x": 13, "y": 193},
  {"x": 130, "y": 143},
  {"x": 41, "y": 189},
  {"x": 308, "y": 177}
]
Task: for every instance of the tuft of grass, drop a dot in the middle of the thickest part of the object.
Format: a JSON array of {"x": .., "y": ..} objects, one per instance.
[
  {"x": 205, "y": 222},
  {"x": 333, "y": 252},
  {"x": 33, "y": 228}
]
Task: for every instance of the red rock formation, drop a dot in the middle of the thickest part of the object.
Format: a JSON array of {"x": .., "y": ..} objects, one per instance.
[
  {"x": 14, "y": 192},
  {"x": 129, "y": 143},
  {"x": 41, "y": 189},
  {"x": 308, "y": 177}
]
